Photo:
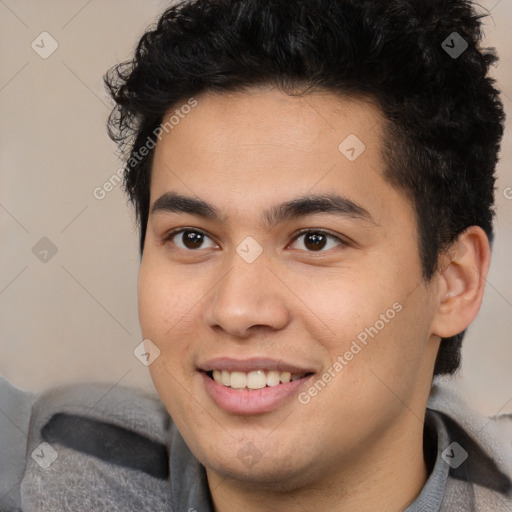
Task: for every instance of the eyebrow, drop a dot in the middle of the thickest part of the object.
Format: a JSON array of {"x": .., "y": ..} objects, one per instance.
[{"x": 296, "y": 208}]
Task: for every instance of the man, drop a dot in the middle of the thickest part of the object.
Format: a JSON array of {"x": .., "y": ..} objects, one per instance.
[{"x": 314, "y": 189}]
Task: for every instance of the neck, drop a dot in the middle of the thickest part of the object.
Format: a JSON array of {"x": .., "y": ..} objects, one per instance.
[{"x": 388, "y": 476}]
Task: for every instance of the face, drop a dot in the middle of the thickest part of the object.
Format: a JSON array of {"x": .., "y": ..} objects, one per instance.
[{"x": 267, "y": 282}]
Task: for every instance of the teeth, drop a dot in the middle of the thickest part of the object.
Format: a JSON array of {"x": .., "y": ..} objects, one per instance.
[
  {"x": 238, "y": 380},
  {"x": 256, "y": 379},
  {"x": 285, "y": 377},
  {"x": 273, "y": 378},
  {"x": 226, "y": 378}
]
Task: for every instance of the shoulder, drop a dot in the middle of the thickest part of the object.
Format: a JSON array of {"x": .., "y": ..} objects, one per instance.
[
  {"x": 478, "y": 452},
  {"x": 493, "y": 434},
  {"x": 15, "y": 413},
  {"x": 92, "y": 446}
]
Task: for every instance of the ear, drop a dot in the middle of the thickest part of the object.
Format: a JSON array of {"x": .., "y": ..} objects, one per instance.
[{"x": 461, "y": 279}]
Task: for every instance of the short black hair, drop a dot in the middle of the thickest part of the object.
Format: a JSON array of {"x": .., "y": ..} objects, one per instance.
[{"x": 421, "y": 60}]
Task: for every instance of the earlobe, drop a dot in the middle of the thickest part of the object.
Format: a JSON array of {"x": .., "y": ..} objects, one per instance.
[{"x": 462, "y": 281}]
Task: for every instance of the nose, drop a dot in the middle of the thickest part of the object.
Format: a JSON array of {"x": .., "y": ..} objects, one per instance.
[{"x": 248, "y": 296}]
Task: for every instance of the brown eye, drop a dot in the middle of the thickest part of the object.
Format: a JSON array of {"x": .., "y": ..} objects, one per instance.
[
  {"x": 316, "y": 241},
  {"x": 190, "y": 239}
]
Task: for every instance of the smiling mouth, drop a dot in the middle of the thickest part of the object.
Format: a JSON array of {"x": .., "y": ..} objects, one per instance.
[{"x": 253, "y": 380}]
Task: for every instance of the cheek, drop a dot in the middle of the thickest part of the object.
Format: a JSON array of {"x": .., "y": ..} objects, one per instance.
[
  {"x": 151, "y": 304},
  {"x": 160, "y": 308},
  {"x": 166, "y": 307},
  {"x": 371, "y": 324},
  {"x": 344, "y": 306},
  {"x": 161, "y": 301}
]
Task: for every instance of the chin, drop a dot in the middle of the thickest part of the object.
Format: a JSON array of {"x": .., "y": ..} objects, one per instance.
[{"x": 267, "y": 468}]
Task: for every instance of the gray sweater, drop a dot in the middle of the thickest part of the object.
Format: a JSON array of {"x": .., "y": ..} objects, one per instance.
[{"x": 96, "y": 447}]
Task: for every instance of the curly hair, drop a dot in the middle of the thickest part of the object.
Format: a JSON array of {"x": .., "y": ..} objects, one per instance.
[{"x": 444, "y": 117}]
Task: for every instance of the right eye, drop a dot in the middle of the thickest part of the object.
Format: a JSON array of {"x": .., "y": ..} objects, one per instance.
[{"x": 190, "y": 239}]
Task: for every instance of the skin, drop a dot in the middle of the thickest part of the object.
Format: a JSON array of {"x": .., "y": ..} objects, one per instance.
[{"x": 357, "y": 444}]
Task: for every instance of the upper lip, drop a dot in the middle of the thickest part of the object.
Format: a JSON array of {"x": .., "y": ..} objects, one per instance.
[{"x": 248, "y": 365}]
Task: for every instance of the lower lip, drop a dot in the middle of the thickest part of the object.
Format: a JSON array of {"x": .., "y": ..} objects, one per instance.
[{"x": 257, "y": 401}]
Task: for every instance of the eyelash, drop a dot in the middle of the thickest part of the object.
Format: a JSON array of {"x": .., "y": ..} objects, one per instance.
[{"x": 169, "y": 236}]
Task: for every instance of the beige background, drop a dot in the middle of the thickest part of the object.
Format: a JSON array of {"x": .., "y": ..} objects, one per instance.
[{"x": 75, "y": 316}]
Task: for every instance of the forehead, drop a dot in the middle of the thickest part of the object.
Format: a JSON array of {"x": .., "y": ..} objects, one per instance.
[
  {"x": 270, "y": 117},
  {"x": 247, "y": 149}
]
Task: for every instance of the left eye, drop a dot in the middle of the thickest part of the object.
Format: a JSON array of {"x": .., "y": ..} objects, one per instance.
[
  {"x": 317, "y": 240},
  {"x": 314, "y": 240}
]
